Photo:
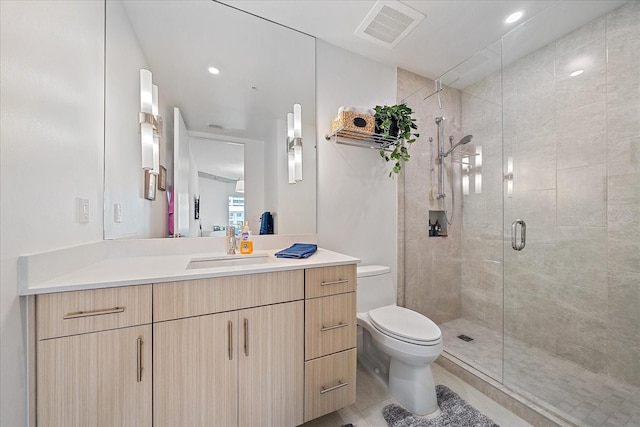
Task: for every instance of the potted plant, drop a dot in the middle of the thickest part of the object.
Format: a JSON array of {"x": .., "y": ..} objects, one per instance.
[{"x": 395, "y": 121}]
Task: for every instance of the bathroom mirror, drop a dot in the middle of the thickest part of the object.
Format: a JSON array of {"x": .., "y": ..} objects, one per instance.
[{"x": 264, "y": 69}]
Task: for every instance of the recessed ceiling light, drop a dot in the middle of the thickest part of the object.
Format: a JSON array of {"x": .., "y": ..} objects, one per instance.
[
  {"x": 214, "y": 70},
  {"x": 576, "y": 73},
  {"x": 515, "y": 16}
]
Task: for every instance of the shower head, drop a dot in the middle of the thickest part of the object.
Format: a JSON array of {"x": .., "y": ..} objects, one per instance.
[{"x": 463, "y": 141}]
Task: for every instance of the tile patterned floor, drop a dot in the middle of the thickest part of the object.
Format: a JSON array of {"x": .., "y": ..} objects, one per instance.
[
  {"x": 372, "y": 396},
  {"x": 583, "y": 397}
]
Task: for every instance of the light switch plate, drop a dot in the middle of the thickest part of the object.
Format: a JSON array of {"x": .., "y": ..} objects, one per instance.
[{"x": 83, "y": 210}]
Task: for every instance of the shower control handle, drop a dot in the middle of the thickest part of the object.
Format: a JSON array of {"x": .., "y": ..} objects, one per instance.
[{"x": 518, "y": 246}]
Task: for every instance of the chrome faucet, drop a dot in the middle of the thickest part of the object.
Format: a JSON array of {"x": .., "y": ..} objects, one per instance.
[{"x": 231, "y": 240}]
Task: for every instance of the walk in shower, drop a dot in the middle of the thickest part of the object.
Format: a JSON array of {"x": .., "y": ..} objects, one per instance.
[{"x": 556, "y": 145}]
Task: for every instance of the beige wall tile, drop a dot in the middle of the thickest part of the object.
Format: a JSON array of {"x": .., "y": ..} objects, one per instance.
[{"x": 582, "y": 196}]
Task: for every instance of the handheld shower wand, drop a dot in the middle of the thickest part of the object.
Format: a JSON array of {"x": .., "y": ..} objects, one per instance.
[{"x": 463, "y": 141}]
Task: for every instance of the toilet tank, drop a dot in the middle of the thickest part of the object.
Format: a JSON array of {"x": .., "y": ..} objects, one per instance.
[{"x": 375, "y": 287}]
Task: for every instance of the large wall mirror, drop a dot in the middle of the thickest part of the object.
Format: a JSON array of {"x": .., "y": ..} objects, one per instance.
[{"x": 223, "y": 136}]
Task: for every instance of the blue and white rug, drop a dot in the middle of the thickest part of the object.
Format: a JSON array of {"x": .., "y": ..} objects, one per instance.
[{"x": 456, "y": 412}]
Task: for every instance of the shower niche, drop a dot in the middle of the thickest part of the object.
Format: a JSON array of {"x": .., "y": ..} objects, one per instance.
[{"x": 437, "y": 224}]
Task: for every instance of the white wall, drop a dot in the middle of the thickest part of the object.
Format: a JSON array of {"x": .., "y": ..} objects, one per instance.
[
  {"x": 124, "y": 177},
  {"x": 51, "y": 151},
  {"x": 214, "y": 203},
  {"x": 296, "y": 202},
  {"x": 357, "y": 205}
]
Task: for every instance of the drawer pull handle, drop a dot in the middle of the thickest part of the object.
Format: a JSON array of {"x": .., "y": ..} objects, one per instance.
[
  {"x": 246, "y": 337},
  {"x": 335, "y": 387},
  {"x": 230, "y": 339},
  {"x": 335, "y": 282},
  {"x": 139, "y": 360},
  {"x": 76, "y": 314},
  {"x": 329, "y": 328}
]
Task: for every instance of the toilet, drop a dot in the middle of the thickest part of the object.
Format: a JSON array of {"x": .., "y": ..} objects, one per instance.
[{"x": 397, "y": 343}]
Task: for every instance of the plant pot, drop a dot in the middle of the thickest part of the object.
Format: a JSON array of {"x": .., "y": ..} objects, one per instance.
[{"x": 393, "y": 131}]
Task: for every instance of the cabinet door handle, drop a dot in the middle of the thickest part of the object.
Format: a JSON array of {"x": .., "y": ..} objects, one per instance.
[
  {"x": 335, "y": 282},
  {"x": 76, "y": 314},
  {"x": 335, "y": 387},
  {"x": 230, "y": 339},
  {"x": 139, "y": 359},
  {"x": 246, "y": 337},
  {"x": 329, "y": 328}
]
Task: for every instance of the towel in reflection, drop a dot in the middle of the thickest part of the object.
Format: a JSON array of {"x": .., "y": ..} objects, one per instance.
[
  {"x": 298, "y": 250},
  {"x": 266, "y": 223}
]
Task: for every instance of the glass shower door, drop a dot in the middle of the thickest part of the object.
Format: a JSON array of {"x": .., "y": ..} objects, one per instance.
[
  {"x": 476, "y": 336},
  {"x": 571, "y": 173}
]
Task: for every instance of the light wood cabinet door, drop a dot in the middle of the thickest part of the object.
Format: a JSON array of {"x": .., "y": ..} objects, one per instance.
[
  {"x": 271, "y": 365},
  {"x": 324, "y": 281},
  {"x": 195, "y": 362},
  {"x": 330, "y": 383},
  {"x": 330, "y": 325},
  {"x": 96, "y": 379}
]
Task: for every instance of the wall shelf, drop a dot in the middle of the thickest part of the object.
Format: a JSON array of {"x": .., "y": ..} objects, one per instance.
[{"x": 363, "y": 139}]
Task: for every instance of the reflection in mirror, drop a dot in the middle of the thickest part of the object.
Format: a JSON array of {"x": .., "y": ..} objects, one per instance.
[{"x": 263, "y": 68}]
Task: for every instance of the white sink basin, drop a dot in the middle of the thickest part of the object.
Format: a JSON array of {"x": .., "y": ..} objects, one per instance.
[{"x": 227, "y": 261}]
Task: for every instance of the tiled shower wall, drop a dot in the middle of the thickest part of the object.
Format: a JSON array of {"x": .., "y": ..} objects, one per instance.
[
  {"x": 575, "y": 143},
  {"x": 432, "y": 265}
]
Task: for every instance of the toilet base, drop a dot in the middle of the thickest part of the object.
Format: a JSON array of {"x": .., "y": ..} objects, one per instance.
[{"x": 413, "y": 387}]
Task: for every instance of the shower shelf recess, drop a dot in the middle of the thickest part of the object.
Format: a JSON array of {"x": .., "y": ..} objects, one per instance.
[{"x": 361, "y": 139}]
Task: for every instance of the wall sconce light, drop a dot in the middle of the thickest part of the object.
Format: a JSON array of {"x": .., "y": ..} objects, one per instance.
[
  {"x": 294, "y": 144},
  {"x": 478, "y": 169},
  {"x": 150, "y": 123},
  {"x": 240, "y": 186},
  {"x": 472, "y": 173},
  {"x": 509, "y": 176}
]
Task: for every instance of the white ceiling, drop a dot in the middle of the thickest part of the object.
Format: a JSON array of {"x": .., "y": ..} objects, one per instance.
[
  {"x": 452, "y": 31},
  {"x": 259, "y": 83}
]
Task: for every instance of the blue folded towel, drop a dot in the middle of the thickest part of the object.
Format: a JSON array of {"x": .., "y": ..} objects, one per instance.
[{"x": 298, "y": 250}]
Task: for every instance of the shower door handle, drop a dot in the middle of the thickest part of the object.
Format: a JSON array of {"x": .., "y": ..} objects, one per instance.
[{"x": 518, "y": 246}]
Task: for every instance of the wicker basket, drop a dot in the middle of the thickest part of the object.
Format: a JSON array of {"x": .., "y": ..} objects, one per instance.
[{"x": 359, "y": 125}]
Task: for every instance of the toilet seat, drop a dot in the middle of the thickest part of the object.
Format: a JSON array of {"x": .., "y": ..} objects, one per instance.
[{"x": 405, "y": 325}]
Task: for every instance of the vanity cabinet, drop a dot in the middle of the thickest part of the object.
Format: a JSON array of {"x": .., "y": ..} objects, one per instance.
[
  {"x": 265, "y": 349},
  {"x": 239, "y": 367},
  {"x": 330, "y": 339},
  {"x": 94, "y": 357}
]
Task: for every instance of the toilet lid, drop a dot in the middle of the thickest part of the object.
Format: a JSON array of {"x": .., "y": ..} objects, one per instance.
[{"x": 405, "y": 324}]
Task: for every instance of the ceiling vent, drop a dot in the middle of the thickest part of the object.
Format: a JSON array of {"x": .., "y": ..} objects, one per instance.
[{"x": 388, "y": 22}]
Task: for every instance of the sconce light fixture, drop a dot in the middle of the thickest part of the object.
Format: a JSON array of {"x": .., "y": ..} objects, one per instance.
[
  {"x": 150, "y": 123},
  {"x": 509, "y": 176},
  {"x": 294, "y": 144},
  {"x": 240, "y": 186},
  {"x": 472, "y": 172}
]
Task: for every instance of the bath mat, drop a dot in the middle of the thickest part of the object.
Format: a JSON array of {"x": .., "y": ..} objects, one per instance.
[{"x": 456, "y": 412}]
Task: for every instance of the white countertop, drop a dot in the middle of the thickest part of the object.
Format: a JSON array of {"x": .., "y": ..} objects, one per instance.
[{"x": 138, "y": 270}]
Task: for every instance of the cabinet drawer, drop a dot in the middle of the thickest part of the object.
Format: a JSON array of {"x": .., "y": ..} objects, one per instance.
[
  {"x": 78, "y": 312},
  {"x": 175, "y": 300},
  {"x": 330, "y": 325},
  {"x": 320, "y": 282},
  {"x": 330, "y": 383}
]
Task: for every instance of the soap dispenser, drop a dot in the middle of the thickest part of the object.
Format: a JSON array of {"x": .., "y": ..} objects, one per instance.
[{"x": 246, "y": 245}]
